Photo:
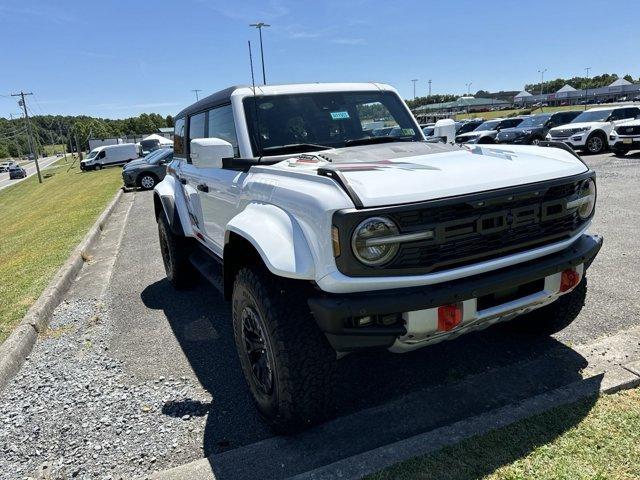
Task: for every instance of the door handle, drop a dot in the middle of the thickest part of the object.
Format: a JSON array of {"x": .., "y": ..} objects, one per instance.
[{"x": 203, "y": 187}]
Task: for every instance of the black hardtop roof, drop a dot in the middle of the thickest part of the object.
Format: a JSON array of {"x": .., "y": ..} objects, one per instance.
[{"x": 214, "y": 100}]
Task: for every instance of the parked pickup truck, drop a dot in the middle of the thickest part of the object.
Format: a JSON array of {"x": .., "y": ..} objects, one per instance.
[{"x": 329, "y": 240}]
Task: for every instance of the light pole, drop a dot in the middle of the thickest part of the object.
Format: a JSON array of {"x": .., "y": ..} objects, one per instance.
[
  {"x": 414, "y": 87},
  {"x": 586, "y": 89},
  {"x": 541, "y": 72},
  {"x": 429, "y": 87},
  {"x": 259, "y": 26}
]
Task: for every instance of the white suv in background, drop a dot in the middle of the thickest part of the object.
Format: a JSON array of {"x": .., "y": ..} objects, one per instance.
[
  {"x": 590, "y": 130},
  {"x": 625, "y": 137}
]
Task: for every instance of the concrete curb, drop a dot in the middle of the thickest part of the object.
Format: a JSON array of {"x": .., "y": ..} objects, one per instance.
[
  {"x": 373, "y": 461},
  {"x": 17, "y": 347},
  {"x": 620, "y": 377}
]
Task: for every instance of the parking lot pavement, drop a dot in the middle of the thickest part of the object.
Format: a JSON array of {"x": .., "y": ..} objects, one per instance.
[
  {"x": 31, "y": 170},
  {"x": 159, "y": 381}
]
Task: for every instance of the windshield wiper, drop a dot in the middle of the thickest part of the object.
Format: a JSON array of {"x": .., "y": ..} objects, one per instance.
[
  {"x": 374, "y": 140},
  {"x": 295, "y": 148}
]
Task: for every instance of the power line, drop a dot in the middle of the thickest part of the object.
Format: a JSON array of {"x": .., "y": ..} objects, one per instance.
[{"x": 23, "y": 104}]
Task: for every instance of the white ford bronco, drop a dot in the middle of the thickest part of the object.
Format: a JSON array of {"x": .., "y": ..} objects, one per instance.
[{"x": 329, "y": 238}]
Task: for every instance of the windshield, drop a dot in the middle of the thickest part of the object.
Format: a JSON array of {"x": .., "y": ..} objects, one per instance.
[
  {"x": 532, "y": 122},
  {"x": 593, "y": 116},
  {"x": 163, "y": 154},
  {"x": 151, "y": 156},
  {"x": 93, "y": 153},
  {"x": 313, "y": 121},
  {"x": 428, "y": 131},
  {"x": 490, "y": 125},
  {"x": 149, "y": 144}
]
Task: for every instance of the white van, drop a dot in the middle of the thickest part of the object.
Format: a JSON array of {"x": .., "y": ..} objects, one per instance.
[{"x": 109, "y": 155}]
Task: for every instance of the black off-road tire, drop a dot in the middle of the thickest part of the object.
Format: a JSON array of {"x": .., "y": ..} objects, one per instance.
[
  {"x": 303, "y": 364},
  {"x": 175, "y": 251},
  {"x": 555, "y": 316}
]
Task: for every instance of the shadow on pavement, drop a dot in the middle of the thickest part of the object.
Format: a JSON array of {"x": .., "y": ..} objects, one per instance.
[{"x": 382, "y": 398}]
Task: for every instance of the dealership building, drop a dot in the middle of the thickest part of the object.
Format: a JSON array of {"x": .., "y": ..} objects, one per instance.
[{"x": 619, "y": 91}]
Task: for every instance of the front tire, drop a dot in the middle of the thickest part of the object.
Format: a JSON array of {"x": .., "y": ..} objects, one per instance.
[
  {"x": 555, "y": 316},
  {"x": 288, "y": 364},
  {"x": 596, "y": 143},
  {"x": 175, "y": 251}
]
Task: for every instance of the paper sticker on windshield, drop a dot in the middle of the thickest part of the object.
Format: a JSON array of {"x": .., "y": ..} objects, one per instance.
[
  {"x": 340, "y": 115},
  {"x": 407, "y": 132}
]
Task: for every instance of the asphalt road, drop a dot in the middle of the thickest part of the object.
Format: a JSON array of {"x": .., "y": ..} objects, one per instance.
[
  {"x": 162, "y": 332},
  {"x": 31, "y": 170}
]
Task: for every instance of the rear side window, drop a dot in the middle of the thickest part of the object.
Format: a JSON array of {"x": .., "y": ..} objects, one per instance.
[
  {"x": 196, "y": 126},
  {"x": 221, "y": 125},
  {"x": 178, "y": 137}
]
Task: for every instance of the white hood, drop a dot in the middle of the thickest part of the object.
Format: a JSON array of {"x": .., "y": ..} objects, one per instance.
[
  {"x": 571, "y": 126},
  {"x": 383, "y": 176}
]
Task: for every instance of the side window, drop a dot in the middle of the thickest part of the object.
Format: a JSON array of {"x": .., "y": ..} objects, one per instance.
[
  {"x": 102, "y": 154},
  {"x": 196, "y": 126},
  {"x": 618, "y": 114},
  {"x": 178, "y": 137},
  {"x": 221, "y": 125},
  {"x": 630, "y": 112}
]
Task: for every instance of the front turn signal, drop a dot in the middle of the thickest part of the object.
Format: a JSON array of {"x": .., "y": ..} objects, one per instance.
[{"x": 335, "y": 241}]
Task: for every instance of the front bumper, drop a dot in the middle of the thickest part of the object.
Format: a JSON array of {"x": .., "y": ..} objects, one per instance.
[
  {"x": 129, "y": 180},
  {"x": 577, "y": 141},
  {"x": 624, "y": 144},
  {"x": 335, "y": 314}
]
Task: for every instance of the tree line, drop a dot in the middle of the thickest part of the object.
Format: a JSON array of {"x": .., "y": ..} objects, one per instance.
[
  {"x": 59, "y": 129},
  {"x": 579, "y": 83}
]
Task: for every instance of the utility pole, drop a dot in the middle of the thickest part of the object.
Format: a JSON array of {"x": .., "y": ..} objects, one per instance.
[
  {"x": 259, "y": 26},
  {"x": 586, "y": 90},
  {"x": 15, "y": 138},
  {"x": 541, "y": 72},
  {"x": 468, "y": 85},
  {"x": 196, "y": 90},
  {"x": 23, "y": 104},
  {"x": 414, "y": 87},
  {"x": 429, "y": 87}
]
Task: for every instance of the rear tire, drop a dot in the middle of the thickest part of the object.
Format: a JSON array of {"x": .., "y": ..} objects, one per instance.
[
  {"x": 147, "y": 181},
  {"x": 556, "y": 316},
  {"x": 288, "y": 364},
  {"x": 175, "y": 250}
]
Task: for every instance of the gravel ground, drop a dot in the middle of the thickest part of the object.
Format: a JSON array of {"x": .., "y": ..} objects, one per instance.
[{"x": 83, "y": 417}]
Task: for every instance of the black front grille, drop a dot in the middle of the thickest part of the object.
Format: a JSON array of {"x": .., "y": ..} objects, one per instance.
[
  {"x": 630, "y": 130},
  {"x": 476, "y": 228}
]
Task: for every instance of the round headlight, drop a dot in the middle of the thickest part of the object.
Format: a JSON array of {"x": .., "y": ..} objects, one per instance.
[
  {"x": 588, "y": 191},
  {"x": 371, "y": 243}
]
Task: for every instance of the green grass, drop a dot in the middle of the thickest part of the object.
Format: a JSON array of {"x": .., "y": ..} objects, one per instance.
[
  {"x": 587, "y": 440},
  {"x": 39, "y": 227},
  {"x": 507, "y": 113}
]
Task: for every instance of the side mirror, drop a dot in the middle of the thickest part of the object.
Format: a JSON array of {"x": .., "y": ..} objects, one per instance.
[{"x": 209, "y": 152}]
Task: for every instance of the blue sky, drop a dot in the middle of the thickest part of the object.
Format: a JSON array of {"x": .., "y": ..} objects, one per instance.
[{"x": 116, "y": 58}]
